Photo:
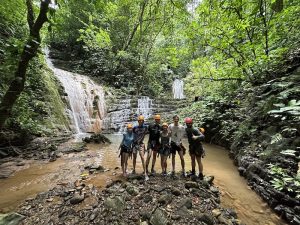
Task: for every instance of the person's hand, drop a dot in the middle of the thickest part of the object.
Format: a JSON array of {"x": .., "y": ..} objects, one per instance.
[
  {"x": 194, "y": 137},
  {"x": 203, "y": 154}
]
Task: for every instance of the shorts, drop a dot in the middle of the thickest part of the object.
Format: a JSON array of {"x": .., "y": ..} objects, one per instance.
[
  {"x": 196, "y": 150},
  {"x": 178, "y": 148},
  {"x": 138, "y": 147},
  {"x": 154, "y": 145},
  {"x": 165, "y": 151},
  {"x": 125, "y": 149}
]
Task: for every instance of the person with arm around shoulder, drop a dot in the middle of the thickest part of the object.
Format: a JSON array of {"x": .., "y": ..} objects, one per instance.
[
  {"x": 195, "y": 146},
  {"x": 126, "y": 148},
  {"x": 138, "y": 145}
]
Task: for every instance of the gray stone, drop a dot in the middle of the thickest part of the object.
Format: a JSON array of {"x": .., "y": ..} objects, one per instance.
[
  {"x": 76, "y": 199},
  {"x": 148, "y": 198},
  {"x": 206, "y": 218},
  {"x": 116, "y": 204},
  {"x": 11, "y": 219},
  {"x": 176, "y": 191},
  {"x": 191, "y": 184},
  {"x": 165, "y": 199},
  {"x": 187, "y": 202},
  {"x": 209, "y": 179},
  {"x": 5, "y": 173},
  {"x": 175, "y": 217},
  {"x": 132, "y": 190},
  {"x": 158, "y": 218}
]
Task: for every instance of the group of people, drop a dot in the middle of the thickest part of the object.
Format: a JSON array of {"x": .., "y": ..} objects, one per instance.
[{"x": 165, "y": 140}]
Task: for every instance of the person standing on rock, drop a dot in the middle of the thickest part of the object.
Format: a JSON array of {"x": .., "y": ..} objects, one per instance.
[
  {"x": 126, "y": 148},
  {"x": 165, "y": 147},
  {"x": 177, "y": 132},
  {"x": 153, "y": 143},
  {"x": 195, "y": 146},
  {"x": 139, "y": 132}
]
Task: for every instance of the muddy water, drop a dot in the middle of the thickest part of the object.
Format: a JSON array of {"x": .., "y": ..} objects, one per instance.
[{"x": 41, "y": 176}]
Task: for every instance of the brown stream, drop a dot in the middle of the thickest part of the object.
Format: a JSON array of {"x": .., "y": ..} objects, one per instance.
[{"x": 40, "y": 176}]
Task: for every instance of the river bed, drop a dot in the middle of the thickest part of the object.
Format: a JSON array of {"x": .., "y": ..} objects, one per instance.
[{"x": 39, "y": 176}]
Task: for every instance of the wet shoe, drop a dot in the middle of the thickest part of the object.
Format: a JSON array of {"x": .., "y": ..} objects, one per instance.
[
  {"x": 191, "y": 174},
  {"x": 183, "y": 174},
  {"x": 200, "y": 176},
  {"x": 153, "y": 172},
  {"x": 173, "y": 173},
  {"x": 146, "y": 178},
  {"x": 133, "y": 172}
]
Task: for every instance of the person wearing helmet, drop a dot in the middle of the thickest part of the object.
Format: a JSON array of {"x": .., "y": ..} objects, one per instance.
[
  {"x": 195, "y": 146},
  {"x": 177, "y": 133},
  {"x": 126, "y": 148},
  {"x": 139, "y": 132},
  {"x": 153, "y": 143},
  {"x": 165, "y": 147}
]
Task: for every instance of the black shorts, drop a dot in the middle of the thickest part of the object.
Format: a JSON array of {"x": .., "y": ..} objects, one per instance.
[
  {"x": 154, "y": 145},
  {"x": 125, "y": 149},
  {"x": 175, "y": 147},
  {"x": 196, "y": 150},
  {"x": 165, "y": 151}
]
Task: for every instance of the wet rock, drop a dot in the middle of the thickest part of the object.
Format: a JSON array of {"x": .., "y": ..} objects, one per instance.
[
  {"x": 165, "y": 199},
  {"x": 187, "y": 202},
  {"x": 176, "y": 191},
  {"x": 148, "y": 198},
  {"x": 206, "y": 218},
  {"x": 117, "y": 204},
  {"x": 145, "y": 215},
  {"x": 214, "y": 189},
  {"x": 132, "y": 190},
  {"x": 175, "y": 217},
  {"x": 209, "y": 179},
  {"x": 216, "y": 212},
  {"x": 76, "y": 199},
  {"x": 158, "y": 218},
  {"x": 222, "y": 219},
  {"x": 96, "y": 138},
  {"x": 191, "y": 184},
  {"x": 11, "y": 219},
  {"x": 20, "y": 164}
]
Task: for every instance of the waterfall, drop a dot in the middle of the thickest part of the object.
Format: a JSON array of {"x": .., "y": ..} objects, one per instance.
[
  {"x": 86, "y": 99},
  {"x": 144, "y": 107},
  {"x": 117, "y": 120},
  {"x": 178, "y": 89}
]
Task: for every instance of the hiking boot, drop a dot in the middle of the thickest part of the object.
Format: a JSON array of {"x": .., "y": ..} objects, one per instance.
[
  {"x": 183, "y": 174},
  {"x": 153, "y": 172},
  {"x": 200, "y": 176},
  {"x": 191, "y": 174}
]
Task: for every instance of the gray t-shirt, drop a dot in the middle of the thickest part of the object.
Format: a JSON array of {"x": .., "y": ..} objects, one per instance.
[{"x": 177, "y": 133}]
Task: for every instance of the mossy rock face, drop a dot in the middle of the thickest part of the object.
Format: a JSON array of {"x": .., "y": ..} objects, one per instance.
[{"x": 96, "y": 138}]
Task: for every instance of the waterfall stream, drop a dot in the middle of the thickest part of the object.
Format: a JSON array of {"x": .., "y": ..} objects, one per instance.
[
  {"x": 86, "y": 99},
  {"x": 178, "y": 89}
]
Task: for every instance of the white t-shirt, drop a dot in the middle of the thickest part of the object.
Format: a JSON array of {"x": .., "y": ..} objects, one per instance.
[{"x": 177, "y": 133}]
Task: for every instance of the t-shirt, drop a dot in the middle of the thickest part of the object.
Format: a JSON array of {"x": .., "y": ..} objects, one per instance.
[
  {"x": 127, "y": 139},
  {"x": 177, "y": 133},
  {"x": 193, "y": 131},
  {"x": 154, "y": 132},
  {"x": 139, "y": 133}
]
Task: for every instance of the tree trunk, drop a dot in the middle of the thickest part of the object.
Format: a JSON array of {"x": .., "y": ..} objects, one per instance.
[{"x": 29, "y": 51}]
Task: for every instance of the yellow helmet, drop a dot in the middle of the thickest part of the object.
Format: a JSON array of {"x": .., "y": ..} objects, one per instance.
[
  {"x": 165, "y": 125},
  {"x": 141, "y": 117},
  {"x": 202, "y": 130},
  {"x": 157, "y": 117},
  {"x": 129, "y": 126}
]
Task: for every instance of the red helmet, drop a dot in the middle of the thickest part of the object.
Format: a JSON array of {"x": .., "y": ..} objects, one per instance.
[{"x": 188, "y": 120}]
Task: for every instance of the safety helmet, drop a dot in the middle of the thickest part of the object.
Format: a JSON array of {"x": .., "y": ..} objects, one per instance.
[
  {"x": 202, "y": 130},
  {"x": 141, "y": 117},
  {"x": 157, "y": 117},
  {"x": 129, "y": 126},
  {"x": 165, "y": 125},
  {"x": 188, "y": 120}
]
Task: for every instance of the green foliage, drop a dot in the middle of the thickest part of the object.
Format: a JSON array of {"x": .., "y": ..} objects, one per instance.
[{"x": 282, "y": 181}]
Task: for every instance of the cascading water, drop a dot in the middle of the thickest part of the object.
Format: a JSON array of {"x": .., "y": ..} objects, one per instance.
[
  {"x": 86, "y": 100},
  {"x": 178, "y": 89},
  {"x": 144, "y": 107}
]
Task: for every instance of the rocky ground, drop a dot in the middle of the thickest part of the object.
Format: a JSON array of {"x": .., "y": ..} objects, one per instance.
[{"x": 161, "y": 200}]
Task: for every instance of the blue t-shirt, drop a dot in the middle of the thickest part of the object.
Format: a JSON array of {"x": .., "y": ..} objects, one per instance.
[{"x": 127, "y": 139}]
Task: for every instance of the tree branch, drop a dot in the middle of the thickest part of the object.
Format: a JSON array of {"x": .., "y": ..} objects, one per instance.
[
  {"x": 29, "y": 51},
  {"x": 30, "y": 14}
]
